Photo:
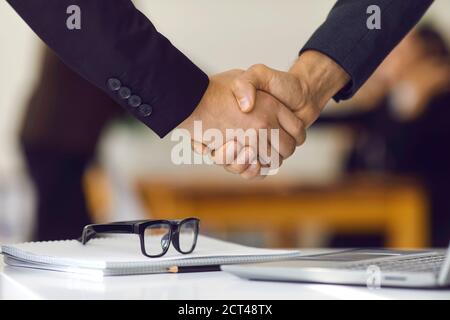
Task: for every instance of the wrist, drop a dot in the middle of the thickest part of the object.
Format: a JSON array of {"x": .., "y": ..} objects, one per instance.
[
  {"x": 320, "y": 76},
  {"x": 197, "y": 113}
]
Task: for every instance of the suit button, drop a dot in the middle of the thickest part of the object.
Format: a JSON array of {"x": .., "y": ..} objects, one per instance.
[
  {"x": 145, "y": 110},
  {"x": 114, "y": 84},
  {"x": 134, "y": 101},
  {"x": 124, "y": 93}
]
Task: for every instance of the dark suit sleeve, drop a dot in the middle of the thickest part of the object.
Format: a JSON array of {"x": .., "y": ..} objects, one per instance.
[
  {"x": 117, "y": 42},
  {"x": 345, "y": 37}
]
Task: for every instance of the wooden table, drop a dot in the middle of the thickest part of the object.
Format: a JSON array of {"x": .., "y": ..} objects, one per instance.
[{"x": 395, "y": 207}]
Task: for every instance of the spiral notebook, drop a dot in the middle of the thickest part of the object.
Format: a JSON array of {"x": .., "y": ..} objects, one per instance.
[{"x": 121, "y": 255}]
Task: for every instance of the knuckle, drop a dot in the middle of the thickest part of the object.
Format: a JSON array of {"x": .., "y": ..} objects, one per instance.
[
  {"x": 263, "y": 75},
  {"x": 258, "y": 68}
]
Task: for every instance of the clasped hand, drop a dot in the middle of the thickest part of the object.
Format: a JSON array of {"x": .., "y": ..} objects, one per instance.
[{"x": 261, "y": 100}]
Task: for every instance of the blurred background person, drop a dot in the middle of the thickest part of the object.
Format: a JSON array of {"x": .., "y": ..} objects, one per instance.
[
  {"x": 63, "y": 121},
  {"x": 419, "y": 101},
  {"x": 403, "y": 123}
]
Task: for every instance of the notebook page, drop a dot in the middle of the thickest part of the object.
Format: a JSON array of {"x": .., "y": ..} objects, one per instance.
[{"x": 103, "y": 252}]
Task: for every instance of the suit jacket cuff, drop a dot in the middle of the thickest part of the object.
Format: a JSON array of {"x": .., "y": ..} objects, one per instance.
[
  {"x": 346, "y": 39},
  {"x": 173, "y": 94}
]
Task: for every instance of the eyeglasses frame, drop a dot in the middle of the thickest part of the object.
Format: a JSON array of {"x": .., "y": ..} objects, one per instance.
[{"x": 138, "y": 227}]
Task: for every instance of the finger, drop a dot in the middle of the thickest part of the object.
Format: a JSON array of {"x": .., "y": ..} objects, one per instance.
[
  {"x": 276, "y": 159},
  {"x": 281, "y": 143},
  {"x": 260, "y": 169},
  {"x": 246, "y": 157},
  {"x": 274, "y": 164},
  {"x": 292, "y": 125},
  {"x": 199, "y": 147},
  {"x": 245, "y": 93},
  {"x": 252, "y": 172},
  {"x": 285, "y": 146},
  {"x": 268, "y": 156},
  {"x": 273, "y": 143},
  {"x": 226, "y": 154},
  {"x": 282, "y": 85},
  {"x": 244, "y": 87}
]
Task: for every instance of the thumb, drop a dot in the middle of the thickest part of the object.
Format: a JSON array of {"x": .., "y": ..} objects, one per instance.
[
  {"x": 284, "y": 86},
  {"x": 245, "y": 86},
  {"x": 245, "y": 93}
]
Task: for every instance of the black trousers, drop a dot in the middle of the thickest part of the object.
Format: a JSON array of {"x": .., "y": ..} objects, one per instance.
[{"x": 61, "y": 205}]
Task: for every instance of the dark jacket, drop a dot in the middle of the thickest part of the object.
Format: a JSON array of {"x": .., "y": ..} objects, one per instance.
[
  {"x": 346, "y": 38},
  {"x": 117, "y": 42}
]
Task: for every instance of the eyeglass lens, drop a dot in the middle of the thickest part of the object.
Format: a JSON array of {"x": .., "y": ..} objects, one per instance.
[
  {"x": 156, "y": 239},
  {"x": 187, "y": 235}
]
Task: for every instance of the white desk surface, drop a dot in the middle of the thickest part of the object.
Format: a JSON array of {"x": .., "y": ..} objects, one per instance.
[{"x": 21, "y": 283}]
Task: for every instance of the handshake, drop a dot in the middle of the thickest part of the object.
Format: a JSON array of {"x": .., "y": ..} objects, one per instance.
[{"x": 261, "y": 115}]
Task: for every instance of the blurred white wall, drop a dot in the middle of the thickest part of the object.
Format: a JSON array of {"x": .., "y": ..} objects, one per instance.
[
  {"x": 220, "y": 35},
  {"x": 217, "y": 35},
  {"x": 19, "y": 57}
]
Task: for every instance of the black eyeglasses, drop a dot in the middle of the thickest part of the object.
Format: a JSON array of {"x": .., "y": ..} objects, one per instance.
[{"x": 155, "y": 235}]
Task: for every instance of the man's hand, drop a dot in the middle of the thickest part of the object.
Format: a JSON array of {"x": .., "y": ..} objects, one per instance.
[
  {"x": 218, "y": 109},
  {"x": 305, "y": 89},
  {"x": 308, "y": 86}
]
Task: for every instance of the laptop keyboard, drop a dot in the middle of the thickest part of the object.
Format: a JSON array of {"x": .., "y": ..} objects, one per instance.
[{"x": 430, "y": 263}]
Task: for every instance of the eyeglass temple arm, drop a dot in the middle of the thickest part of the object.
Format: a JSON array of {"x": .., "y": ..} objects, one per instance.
[{"x": 91, "y": 230}]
